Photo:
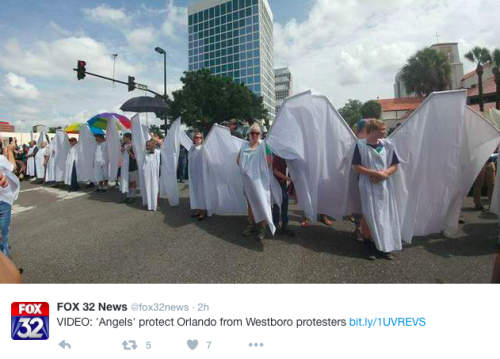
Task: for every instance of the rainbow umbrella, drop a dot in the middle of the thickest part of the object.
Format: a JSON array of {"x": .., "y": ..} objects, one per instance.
[
  {"x": 75, "y": 128},
  {"x": 101, "y": 120}
]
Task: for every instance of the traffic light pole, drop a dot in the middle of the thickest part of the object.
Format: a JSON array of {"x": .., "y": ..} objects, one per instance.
[{"x": 120, "y": 82}]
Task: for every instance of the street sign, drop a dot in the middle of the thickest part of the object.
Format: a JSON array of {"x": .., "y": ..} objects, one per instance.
[{"x": 142, "y": 87}]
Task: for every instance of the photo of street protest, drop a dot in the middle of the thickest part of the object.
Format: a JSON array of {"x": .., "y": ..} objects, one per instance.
[{"x": 249, "y": 141}]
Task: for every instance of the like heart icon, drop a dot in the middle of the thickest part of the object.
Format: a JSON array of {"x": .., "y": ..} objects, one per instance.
[{"x": 192, "y": 344}]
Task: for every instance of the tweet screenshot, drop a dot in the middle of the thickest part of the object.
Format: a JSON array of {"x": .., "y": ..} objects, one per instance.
[{"x": 249, "y": 179}]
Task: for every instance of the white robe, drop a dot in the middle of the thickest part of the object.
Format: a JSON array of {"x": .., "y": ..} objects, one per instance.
[
  {"x": 378, "y": 200},
  {"x": 70, "y": 161},
  {"x": 101, "y": 162},
  {"x": 50, "y": 174},
  {"x": 40, "y": 163},
  {"x": 151, "y": 170},
  {"x": 256, "y": 176},
  {"x": 124, "y": 185},
  {"x": 30, "y": 170},
  {"x": 196, "y": 180}
]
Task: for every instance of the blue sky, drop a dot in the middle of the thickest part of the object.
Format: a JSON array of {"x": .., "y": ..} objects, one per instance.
[{"x": 343, "y": 49}]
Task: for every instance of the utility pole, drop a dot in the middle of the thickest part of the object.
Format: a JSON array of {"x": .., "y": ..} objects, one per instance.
[{"x": 114, "y": 64}]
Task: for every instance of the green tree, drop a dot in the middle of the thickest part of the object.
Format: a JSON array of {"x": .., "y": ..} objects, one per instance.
[
  {"x": 426, "y": 71},
  {"x": 351, "y": 112},
  {"x": 205, "y": 99},
  {"x": 480, "y": 56},
  {"x": 54, "y": 129},
  {"x": 495, "y": 59},
  {"x": 371, "y": 109}
]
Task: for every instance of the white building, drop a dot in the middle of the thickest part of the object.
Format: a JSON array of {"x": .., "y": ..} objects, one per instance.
[
  {"x": 283, "y": 85},
  {"x": 456, "y": 76},
  {"x": 235, "y": 39}
]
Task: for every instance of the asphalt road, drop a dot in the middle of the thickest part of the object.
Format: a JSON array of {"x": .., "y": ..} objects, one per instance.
[{"x": 89, "y": 238}]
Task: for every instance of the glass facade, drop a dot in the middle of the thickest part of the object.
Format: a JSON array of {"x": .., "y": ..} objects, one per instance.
[{"x": 234, "y": 39}]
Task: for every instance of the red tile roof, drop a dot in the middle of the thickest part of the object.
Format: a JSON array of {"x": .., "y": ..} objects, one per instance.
[
  {"x": 489, "y": 87},
  {"x": 487, "y": 107},
  {"x": 400, "y": 104},
  {"x": 472, "y": 73}
]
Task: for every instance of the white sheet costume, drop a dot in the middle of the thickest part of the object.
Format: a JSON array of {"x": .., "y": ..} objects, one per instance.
[
  {"x": 40, "y": 162},
  {"x": 151, "y": 169},
  {"x": 197, "y": 198},
  {"x": 124, "y": 174},
  {"x": 70, "y": 162},
  {"x": 50, "y": 174},
  {"x": 30, "y": 170},
  {"x": 378, "y": 200},
  {"x": 101, "y": 162},
  {"x": 256, "y": 177}
]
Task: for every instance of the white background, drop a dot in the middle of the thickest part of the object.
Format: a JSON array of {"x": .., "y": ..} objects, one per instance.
[{"x": 461, "y": 321}]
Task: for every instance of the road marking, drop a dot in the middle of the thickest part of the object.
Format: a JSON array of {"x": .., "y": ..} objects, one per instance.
[
  {"x": 60, "y": 194},
  {"x": 19, "y": 209}
]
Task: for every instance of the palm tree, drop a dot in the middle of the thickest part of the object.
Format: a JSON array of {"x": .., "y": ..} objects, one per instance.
[
  {"x": 426, "y": 71},
  {"x": 479, "y": 56},
  {"x": 495, "y": 59}
]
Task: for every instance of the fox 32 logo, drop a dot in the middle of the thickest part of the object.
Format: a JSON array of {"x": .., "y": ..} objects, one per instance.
[{"x": 30, "y": 321}]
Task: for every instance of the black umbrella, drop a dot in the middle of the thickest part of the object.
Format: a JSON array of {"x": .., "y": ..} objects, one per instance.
[{"x": 145, "y": 104}]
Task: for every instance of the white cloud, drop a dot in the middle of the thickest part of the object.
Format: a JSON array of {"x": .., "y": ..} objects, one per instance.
[
  {"x": 104, "y": 14},
  {"x": 141, "y": 37},
  {"x": 56, "y": 59},
  {"x": 354, "y": 49},
  {"x": 176, "y": 20},
  {"x": 19, "y": 89}
]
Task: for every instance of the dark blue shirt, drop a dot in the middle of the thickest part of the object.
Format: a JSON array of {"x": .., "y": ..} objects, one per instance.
[{"x": 356, "y": 159}]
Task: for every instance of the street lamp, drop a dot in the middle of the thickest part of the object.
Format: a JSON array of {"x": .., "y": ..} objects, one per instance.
[{"x": 164, "y": 53}]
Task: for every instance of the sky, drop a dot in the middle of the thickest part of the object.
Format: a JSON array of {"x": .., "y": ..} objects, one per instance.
[{"x": 349, "y": 49}]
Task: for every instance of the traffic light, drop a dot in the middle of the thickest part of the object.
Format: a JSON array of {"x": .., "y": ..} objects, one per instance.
[
  {"x": 80, "y": 72},
  {"x": 131, "y": 83}
]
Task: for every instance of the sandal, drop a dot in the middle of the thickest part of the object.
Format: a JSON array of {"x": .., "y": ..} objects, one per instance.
[
  {"x": 305, "y": 224},
  {"x": 326, "y": 221}
]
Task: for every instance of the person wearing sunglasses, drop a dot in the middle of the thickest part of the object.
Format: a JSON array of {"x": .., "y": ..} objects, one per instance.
[
  {"x": 195, "y": 170},
  {"x": 247, "y": 152}
]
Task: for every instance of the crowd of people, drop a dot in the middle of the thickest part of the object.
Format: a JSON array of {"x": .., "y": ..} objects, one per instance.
[{"x": 374, "y": 162}]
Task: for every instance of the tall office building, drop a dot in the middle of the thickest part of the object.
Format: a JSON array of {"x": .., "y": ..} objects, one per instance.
[
  {"x": 235, "y": 39},
  {"x": 283, "y": 85}
]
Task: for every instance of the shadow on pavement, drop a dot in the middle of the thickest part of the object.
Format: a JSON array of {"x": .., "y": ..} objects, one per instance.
[{"x": 479, "y": 241}]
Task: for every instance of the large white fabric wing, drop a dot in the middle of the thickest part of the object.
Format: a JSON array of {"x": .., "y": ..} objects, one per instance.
[
  {"x": 85, "y": 149},
  {"x": 222, "y": 180},
  {"x": 441, "y": 147},
  {"x": 318, "y": 147},
  {"x": 62, "y": 153},
  {"x": 139, "y": 144},
  {"x": 114, "y": 147},
  {"x": 169, "y": 162}
]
